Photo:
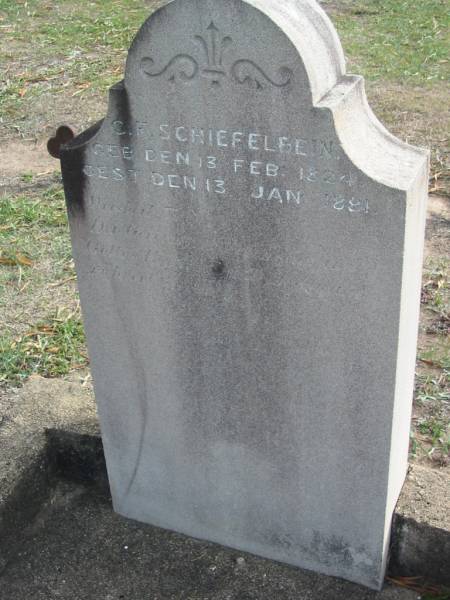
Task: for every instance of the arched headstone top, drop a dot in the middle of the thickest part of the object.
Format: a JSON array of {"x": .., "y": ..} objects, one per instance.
[
  {"x": 310, "y": 30},
  {"x": 237, "y": 40},
  {"x": 248, "y": 55},
  {"x": 217, "y": 49}
]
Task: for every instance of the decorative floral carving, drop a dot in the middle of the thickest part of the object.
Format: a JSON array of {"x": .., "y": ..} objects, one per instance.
[
  {"x": 246, "y": 71},
  {"x": 184, "y": 67}
]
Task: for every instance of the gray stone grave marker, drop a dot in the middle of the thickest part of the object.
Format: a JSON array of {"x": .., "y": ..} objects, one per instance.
[{"x": 248, "y": 242}]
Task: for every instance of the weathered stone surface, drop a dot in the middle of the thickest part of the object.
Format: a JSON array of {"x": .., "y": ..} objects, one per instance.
[{"x": 248, "y": 242}]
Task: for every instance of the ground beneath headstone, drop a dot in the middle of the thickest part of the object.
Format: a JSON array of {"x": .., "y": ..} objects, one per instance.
[{"x": 78, "y": 548}]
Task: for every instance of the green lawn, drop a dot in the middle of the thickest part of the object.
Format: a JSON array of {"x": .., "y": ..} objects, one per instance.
[{"x": 397, "y": 40}]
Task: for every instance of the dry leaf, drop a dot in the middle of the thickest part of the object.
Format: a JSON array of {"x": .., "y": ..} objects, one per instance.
[
  {"x": 46, "y": 329},
  {"x": 81, "y": 88},
  {"x": 23, "y": 260},
  {"x": 62, "y": 282},
  {"x": 7, "y": 261},
  {"x": 431, "y": 363},
  {"x": 16, "y": 259}
]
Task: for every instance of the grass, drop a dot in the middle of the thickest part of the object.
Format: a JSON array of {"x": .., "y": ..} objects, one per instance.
[
  {"x": 51, "y": 348},
  {"x": 66, "y": 55},
  {"x": 432, "y": 387},
  {"x": 400, "y": 40},
  {"x": 66, "y": 28},
  {"x": 435, "y": 427},
  {"x": 431, "y": 425},
  {"x": 437, "y": 356},
  {"x": 27, "y": 211},
  {"x": 437, "y": 286},
  {"x": 63, "y": 46},
  {"x": 36, "y": 267},
  {"x": 31, "y": 228}
]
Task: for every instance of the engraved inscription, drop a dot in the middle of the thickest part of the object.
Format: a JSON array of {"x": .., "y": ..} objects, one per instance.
[
  {"x": 183, "y": 167},
  {"x": 184, "y": 67},
  {"x": 281, "y": 196},
  {"x": 352, "y": 205},
  {"x": 194, "y": 164}
]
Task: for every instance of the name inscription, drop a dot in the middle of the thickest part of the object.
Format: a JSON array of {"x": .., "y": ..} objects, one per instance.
[{"x": 201, "y": 161}]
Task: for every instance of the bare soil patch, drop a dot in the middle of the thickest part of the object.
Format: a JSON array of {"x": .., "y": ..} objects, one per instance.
[
  {"x": 79, "y": 109},
  {"x": 21, "y": 158},
  {"x": 437, "y": 240},
  {"x": 430, "y": 432},
  {"x": 420, "y": 117}
]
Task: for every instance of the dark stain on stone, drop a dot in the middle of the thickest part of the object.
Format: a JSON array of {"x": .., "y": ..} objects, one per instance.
[
  {"x": 64, "y": 135},
  {"x": 72, "y": 167},
  {"x": 218, "y": 269},
  {"x": 74, "y": 180},
  {"x": 123, "y": 113},
  {"x": 73, "y": 153},
  {"x": 123, "y": 106}
]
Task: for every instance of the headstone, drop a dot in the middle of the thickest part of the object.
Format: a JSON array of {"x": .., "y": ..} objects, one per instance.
[{"x": 248, "y": 243}]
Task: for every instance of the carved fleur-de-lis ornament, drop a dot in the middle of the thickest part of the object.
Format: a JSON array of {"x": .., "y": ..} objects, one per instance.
[{"x": 184, "y": 67}]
